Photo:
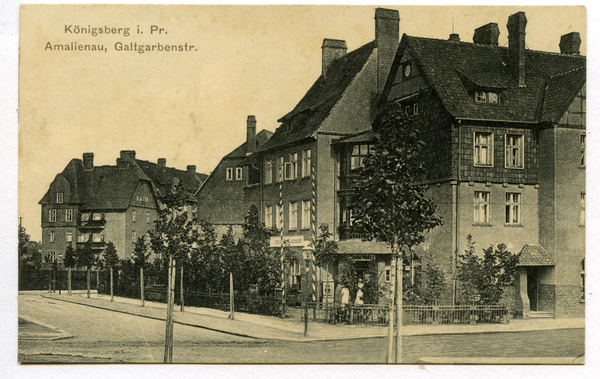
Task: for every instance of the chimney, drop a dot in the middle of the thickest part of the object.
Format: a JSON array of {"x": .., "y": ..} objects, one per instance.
[
  {"x": 487, "y": 34},
  {"x": 191, "y": 169},
  {"x": 250, "y": 134},
  {"x": 387, "y": 36},
  {"x": 454, "y": 37},
  {"x": 88, "y": 161},
  {"x": 332, "y": 49},
  {"x": 570, "y": 43},
  {"x": 516, "y": 46},
  {"x": 162, "y": 162},
  {"x": 128, "y": 154}
]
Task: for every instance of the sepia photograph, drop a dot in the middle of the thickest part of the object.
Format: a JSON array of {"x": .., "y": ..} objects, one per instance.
[{"x": 302, "y": 184}]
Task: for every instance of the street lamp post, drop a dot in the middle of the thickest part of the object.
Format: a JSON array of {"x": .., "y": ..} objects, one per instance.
[{"x": 60, "y": 258}]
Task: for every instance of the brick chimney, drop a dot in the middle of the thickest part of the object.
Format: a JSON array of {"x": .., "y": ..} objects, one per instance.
[
  {"x": 191, "y": 169},
  {"x": 128, "y": 154},
  {"x": 332, "y": 49},
  {"x": 570, "y": 43},
  {"x": 387, "y": 35},
  {"x": 516, "y": 46},
  {"x": 88, "y": 161},
  {"x": 250, "y": 134},
  {"x": 487, "y": 34},
  {"x": 454, "y": 37},
  {"x": 162, "y": 162}
]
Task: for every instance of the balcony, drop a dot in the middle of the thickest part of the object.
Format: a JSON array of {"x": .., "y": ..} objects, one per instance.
[
  {"x": 91, "y": 221},
  {"x": 95, "y": 244},
  {"x": 348, "y": 233}
]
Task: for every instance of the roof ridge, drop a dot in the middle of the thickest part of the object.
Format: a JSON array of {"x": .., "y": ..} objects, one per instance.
[{"x": 567, "y": 72}]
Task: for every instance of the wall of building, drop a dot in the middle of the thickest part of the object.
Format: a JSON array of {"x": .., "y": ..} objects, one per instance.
[{"x": 116, "y": 232}]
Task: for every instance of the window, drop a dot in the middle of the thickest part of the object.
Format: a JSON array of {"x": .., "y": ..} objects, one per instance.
[
  {"x": 269, "y": 216},
  {"x": 137, "y": 198},
  {"x": 306, "y": 214},
  {"x": 514, "y": 151},
  {"x": 69, "y": 236},
  {"x": 51, "y": 257},
  {"x": 145, "y": 199},
  {"x": 582, "y": 143},
  {"x": 280, "y": 169},
  {"x": 291, "y": 167},
  {"x": 147, "y": 217},
  {"x": 52, "y": 215},
  {"x": 279, "y": 216},
  {"x": 59, "y": 198},
  {"x": 85, "y": 217},
  {"x": 133, "y": 236},
  {"x": 481, "y": 214},
  {"x": 388, "y": 274},
  {"x": 582, "y": 209},
  {"x": 98, "y": 237},
  {"x": 416, "y": 108},
  {"x": 306, "y": 163},
  {"x": 486, "y": 97},
  {"x": 97, "y": 216},
  {"x": 359, "y": 152},
  {"x": 483, "y": 149},
  {"x": 513, "y": 209},
  {"x": 296, "y": 275},
  {"x": 82, "y": 238},
  {"x": 268, "y": 171},
  {"x": 229, "y": 175},
  {"x": 52, "y": 236},
  {"x": 69, "y": 215},
  {"x": 293, "y": 216},
  {"x": 133, "y": 215},
  {"x": 238, "y": 173}
]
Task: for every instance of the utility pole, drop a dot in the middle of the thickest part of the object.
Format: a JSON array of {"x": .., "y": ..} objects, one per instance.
[{"x": 168, "y": 358}]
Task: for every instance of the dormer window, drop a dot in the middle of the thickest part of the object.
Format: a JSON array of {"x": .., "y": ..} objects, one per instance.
[{"x": 486, "y": 97}]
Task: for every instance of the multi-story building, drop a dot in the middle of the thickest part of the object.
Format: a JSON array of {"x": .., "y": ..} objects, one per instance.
[
  {"x": 108, "y": 203},
  {"x": 220, "y": 197},
  {"x": 505, "y": 152}
]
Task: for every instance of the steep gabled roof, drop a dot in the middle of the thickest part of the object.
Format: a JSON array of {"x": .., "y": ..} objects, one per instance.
[
  {"x": 454, "y": 69},
  {"x": 162, "y": 177},
  {"x": 241, "y": 152},
  {"x": 325, "y": 93}
]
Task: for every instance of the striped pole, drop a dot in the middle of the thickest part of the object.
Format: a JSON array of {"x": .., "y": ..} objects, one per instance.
[
  {"x": 313, "y": 225},
  {"x": 280, "y": 225}
]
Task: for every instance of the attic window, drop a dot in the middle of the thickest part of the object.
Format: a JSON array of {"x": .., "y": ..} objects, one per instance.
[
  {"x": 59, "y": 198},
  {"x": 486, "y": 97}
]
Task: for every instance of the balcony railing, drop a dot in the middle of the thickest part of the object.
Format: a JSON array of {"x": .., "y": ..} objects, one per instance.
[
  {"x": 95, "y": 245},
  {"x": 350, "y": 233},
  {"x": 96, "y": 221}
]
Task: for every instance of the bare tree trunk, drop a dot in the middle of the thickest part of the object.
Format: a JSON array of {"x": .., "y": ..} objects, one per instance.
[
  {"x": 182, "y": 306},
  {"x": 168, "y": 358},
  {"x": 89, "y": 273},
  {"x": 142, "y": 284},
  {"x": 399, "y": 313},
  {"x": 97, "y": 281},
  {"x": 231, "y": 303},
  {"x": 70, "y": 292},
  {"x": 393, "y": 273},
  {"x": 112, "y": 295}
]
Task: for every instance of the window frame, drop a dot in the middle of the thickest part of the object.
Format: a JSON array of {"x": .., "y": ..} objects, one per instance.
[
  {"x": 69, "y": 236},
  {"x": 52, "y": 215},
  {"x": 60, "y": 198},
  {"x": 306, "y": 214},
  {"x": 268, "y": 171},
  {"x": 69, "y": 215},
  {"x": 269, "y": 216},
  {"x": 147, "y": 217},
  {"x": 477, "y": 152},
  {"x": 306, "y": 162},
  {"x": 582, "y": 142},
  {"x": 239, "y": 173},
  {"x": 52, "y": 236},
  {"x": 133, "y": 215},
  {"x": 360, "y": 155},
  {"x": 293, "y": 210},
  {"x": 520, "y": 149},
  {"x": 229, "y": 174},
  {"x": 133, "y": 236},
  {"x": 582, "y": 209},
  {"x": 477, "y": 203},
  {"x": 512, "y": 207}
]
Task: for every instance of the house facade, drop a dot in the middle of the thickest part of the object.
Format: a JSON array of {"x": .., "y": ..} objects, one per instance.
[
  {"x": 220, "y": 197},
  {"x": 108, "y": 203}
]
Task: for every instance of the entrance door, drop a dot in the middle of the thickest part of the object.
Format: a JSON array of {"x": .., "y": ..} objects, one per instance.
[{"x": 532, "y": 289}]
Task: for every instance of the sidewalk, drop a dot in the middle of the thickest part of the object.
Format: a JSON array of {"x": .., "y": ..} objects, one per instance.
[{"x": 269, "y": 327}]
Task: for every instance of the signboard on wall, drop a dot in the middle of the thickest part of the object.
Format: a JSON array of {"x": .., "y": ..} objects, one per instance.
[{"x": 288, "y": 240}]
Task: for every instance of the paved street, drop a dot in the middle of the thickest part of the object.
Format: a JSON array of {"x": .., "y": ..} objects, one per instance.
[{"x": 97, "y": 335}]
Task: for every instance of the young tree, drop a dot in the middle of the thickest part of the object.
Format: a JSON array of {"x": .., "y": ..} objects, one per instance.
[
  {"x": 390, "y": 205},
  {"x": 326, "y": 250},
  {"x": 434, "y": 282},
  {"x": 140, "y": 257},
  {"x": 23, "y": 240},
  {"x": 70, "y": 262},
  {"x": 111, "y": 259},
  {"x": 86, "y": 258},
  {"x": 483, "y": 279},
  {"x": 232, "y": 261},
  {"x": 172, "y": 238},
  {"x": 262, "y": 266}
]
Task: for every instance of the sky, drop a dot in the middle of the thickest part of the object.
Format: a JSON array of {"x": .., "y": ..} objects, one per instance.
[{"x": 191, "y": 107}]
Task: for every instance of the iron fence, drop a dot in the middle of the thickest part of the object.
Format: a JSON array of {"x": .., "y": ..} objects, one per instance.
[{"x": 455, "y": 314}]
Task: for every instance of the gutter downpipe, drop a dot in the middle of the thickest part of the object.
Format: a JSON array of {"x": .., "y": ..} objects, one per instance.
[{"x": 455, "y": 218}]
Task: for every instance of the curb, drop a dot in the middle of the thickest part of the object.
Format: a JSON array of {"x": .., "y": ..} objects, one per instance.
[{"x": 46, "y": 336}]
